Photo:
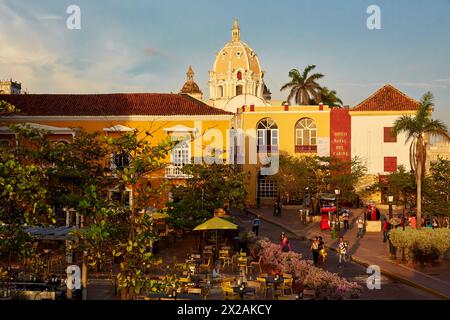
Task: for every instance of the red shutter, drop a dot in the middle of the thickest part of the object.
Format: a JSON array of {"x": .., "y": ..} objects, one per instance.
[
  {"x": 390, "y": 164},
  {"x": 388, "y": 135}
]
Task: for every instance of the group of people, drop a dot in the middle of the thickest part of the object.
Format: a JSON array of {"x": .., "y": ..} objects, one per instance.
[{"x": 318, "y": 250}]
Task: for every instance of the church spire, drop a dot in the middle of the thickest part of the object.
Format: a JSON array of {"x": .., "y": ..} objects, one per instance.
[
  {"x": 190, "y": 73},
  {"x": 236, "y": 32}
]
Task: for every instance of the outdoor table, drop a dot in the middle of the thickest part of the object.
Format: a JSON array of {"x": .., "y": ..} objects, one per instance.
[
  {"x": 274, "y": 281},
  {"x": 178, "y": 296},
  {"x": 241, "y": 291},
  {"x": 196, "y": 278}
]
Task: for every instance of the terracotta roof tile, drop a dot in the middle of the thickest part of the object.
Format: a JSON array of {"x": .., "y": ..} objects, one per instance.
[
  {"x": 387, "y": 98},
  {"x": 152, "y": 104}
]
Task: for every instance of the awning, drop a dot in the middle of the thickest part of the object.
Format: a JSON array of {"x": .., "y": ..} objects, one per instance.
[
  {"x": 51, "y": 233},
  {"x": 216, "y": 224}
]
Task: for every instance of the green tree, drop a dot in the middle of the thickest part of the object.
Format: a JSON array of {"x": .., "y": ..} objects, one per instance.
[
  {"x": 328, "y": 97},
  {"x": 210, "y": 187},
  {"x": 7, "y": 109},
  {"x": 416, "y": 127},
  {"x": 303, "y": 86},
  {"x": 140, "y": 158},
  {"x": 23, "y": 198}
]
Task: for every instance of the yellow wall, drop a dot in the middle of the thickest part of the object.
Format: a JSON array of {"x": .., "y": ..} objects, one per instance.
[
  {"x": 286, "y": 121},
  {"x": 155, "y": 126}
]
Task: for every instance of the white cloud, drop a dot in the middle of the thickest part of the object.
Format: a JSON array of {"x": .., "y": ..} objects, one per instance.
[{"x": 39, "y": 55}]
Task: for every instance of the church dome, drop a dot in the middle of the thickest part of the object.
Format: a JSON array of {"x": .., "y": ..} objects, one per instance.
[
  {"x": 236, "y": 71},
  {"x": 190, "y": 86},
  {"x": 236, "y": 55}
]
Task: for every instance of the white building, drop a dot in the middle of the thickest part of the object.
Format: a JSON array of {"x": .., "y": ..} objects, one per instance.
[{"x": 371, "y": 136}]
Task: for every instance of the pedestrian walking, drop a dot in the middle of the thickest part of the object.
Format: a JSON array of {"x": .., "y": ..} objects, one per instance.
[
  {"x": 322, "y": 251},
  {"x": 256, "y": 224},
  {"x": 385, "y": 229},
  {"x": 285, "y": 245},
  {"x": 346, "y": 217},
  {"x": 360, "y": 226},
  {"x": 342, "y": 250},
  {"x": 315, "y": 251}
]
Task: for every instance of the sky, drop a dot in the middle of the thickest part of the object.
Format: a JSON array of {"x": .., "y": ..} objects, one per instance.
[{"x": 147, "y": 46}]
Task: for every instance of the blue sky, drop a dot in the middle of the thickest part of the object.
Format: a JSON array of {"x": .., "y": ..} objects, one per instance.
[{"x": 146, "y": 46}]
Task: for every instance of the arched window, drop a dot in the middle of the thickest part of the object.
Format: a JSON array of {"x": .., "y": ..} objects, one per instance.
[
  {"x": 306, "y": 135},
  {"x": 220, "y": 91},
  {"x": 239, "y": 75},
  {"x": 267, "y": 131},
  {"x": 181, "y": 153},
  {"x": 238, "y": 90}
]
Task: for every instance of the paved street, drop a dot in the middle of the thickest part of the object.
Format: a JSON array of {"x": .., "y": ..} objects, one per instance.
[{"x": 390, "y": 289}]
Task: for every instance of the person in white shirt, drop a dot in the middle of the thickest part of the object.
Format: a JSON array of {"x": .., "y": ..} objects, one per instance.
[
  {"x": 360, "y": 226},
  {"x": 342, "y": 250}
]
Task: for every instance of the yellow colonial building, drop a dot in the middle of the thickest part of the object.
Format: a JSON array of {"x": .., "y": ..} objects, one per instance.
[
  {"x": 239, "y": 105},
  {"x": 295, "y": 130}
]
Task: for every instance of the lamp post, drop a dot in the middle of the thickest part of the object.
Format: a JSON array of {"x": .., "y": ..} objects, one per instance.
[
  {"x": 337, "y": 192},
  {"x": 390, "y": 201}
]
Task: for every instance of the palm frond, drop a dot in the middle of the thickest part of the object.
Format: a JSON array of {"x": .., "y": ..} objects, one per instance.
[
  {"x": 307, "y": 70},
  {"x": 426, "y": 103},
  {"x": 314, "y": 77}
]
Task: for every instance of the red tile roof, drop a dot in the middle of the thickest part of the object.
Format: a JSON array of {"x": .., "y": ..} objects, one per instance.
[
  {"x": 119, "y": 104},
  {"x": 387, "y": 98}
]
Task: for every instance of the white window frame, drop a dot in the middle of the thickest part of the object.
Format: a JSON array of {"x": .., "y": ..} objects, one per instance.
[
  {"x": 184, "y": 145},
  {"x": 268, "y": 133},
  {"x": 301, "y": 129}
]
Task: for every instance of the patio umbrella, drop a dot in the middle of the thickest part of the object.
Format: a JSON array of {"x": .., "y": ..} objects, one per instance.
[{"x": 216, "y": 224}]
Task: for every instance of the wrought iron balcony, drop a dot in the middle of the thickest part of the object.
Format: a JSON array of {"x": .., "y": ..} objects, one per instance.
[
  {"x": 306, "y": 149},
  {"x": 176, "y": 172}
]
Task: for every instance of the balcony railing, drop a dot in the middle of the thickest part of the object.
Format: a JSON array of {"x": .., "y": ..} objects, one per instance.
[
  {"x": 306, "y": 149},
  {"x": 267, "y": 148},
  {"x": 176, "y": 172}
]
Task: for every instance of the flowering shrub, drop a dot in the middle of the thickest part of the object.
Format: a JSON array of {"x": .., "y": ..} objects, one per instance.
[
  {"x": 327, "y": 285},
  {"x": 424, "y": 245}
]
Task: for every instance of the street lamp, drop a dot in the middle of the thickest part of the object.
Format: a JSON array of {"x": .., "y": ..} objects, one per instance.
[
  {"x": 390, "y": 201},
  {"x": 337, "y": 192}
]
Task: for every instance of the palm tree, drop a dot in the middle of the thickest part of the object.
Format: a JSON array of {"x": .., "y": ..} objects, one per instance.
[
  {"x": 328, "y": 97},
  {"x": 416, "y": 127},
  {"x": 303, "y": 86}
]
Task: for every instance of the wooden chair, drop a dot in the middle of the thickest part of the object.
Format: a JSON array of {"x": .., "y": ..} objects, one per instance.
[
  {"x": 257, "y": 263},
  {"x": 225, "y": 257},
  {"x": 256, "y": 285},
  {"x": 287, "y": 285},
  {"x": 194, "y": 291},
  {"x": 242, "y": 263},
  {"x": 264, "y": 287},
  {"x": 229, "y": 293},
  {"x": 309, "y": 294},
  {"x": 206, "y": 265}
]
